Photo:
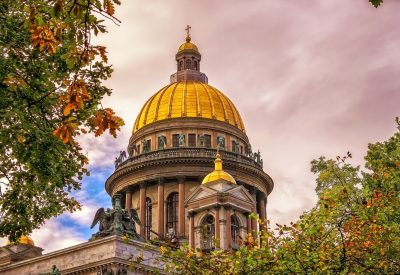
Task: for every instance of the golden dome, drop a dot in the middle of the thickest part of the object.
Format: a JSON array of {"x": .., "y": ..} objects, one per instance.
[
  {"x": 188, "y": 46},
  {"x": 218, "y": 173},
  {"x": 188, "y": 99},
  {"x": 23, "y": 240}
]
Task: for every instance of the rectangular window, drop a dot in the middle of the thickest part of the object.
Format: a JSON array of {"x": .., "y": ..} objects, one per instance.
[
  {"x": 175, "y": 140},
  {"x": 234, "y": 146},
  {"x": 241, "y": 149},
  {"x": 207, "y": 139},
  {"x": 192, "y": 140}
]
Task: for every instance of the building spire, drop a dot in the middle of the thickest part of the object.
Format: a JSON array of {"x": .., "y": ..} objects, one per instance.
[
  {"x": 188, "y": 27},
  {"x": 218, "y": 161}
]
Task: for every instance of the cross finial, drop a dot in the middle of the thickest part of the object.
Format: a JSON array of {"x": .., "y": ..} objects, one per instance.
[
  {"x": 188, "y": 33},
  {"x": 188, "y": 27}
]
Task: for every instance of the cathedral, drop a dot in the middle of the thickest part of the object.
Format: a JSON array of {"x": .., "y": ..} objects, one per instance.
[{"x": 189, "y": 172}]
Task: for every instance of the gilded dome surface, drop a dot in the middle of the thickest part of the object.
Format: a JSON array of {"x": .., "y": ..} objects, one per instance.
[
  {"x": 24, "y": 240},
  {"x": 192, "y": 99},
  {"x": 188, "y": 46}
]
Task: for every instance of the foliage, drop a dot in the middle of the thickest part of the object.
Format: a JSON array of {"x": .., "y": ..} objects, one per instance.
[
  {"x": 354, "y": 227},
  {"x": 376, "y": 3},
  {"x": 51, "y": 89}
]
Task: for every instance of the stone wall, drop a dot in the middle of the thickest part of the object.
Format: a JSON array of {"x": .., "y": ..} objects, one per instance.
[{"x": 111, "y": 253}]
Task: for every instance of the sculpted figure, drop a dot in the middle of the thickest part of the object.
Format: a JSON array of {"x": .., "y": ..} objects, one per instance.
[
  {"x": 137, "y": 149},
  {"x": 221, "y": 142},
  {"x": 146, "y": 146},
  {"x": 130, "y": 150},
  {"x": 236, "y": 146},
  {"x": 181, "y": 140},
  {"x": 104, "y": 219},
  {"x": 116, "y": 221},
  {"x": 258, "y": 156},
  {"x": 162, "y": 142},
  {"x": 202, "y": 140},
  {"x": 249, "y": 151},
  {"x": 122, "y": 155},
  {"x": 116, "y": 162}
]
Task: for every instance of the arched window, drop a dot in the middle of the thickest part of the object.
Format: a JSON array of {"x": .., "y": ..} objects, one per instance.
[
  {"x": 208, "y": 232},
  {"x": 149, "y": 220},
  {"x": 188, "y": 64},
  {"x": 172, "y": 213},
  {"x": 235, "y": 230},
  {"x": 180, "y": 65},
  {"x": 195, "y": 66}
]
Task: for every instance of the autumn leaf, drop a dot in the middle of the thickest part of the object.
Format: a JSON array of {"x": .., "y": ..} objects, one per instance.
[
  {"x": 77, "y": 94},
  {"x": 106, "y": 119},
  {"x": 65, "y": 131}
]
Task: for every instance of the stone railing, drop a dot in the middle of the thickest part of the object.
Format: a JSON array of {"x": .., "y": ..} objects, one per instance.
[{"x": 185, "y": 152}]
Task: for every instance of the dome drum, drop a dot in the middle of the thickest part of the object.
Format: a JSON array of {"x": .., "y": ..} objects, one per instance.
[{"x": 186, "y": 162}]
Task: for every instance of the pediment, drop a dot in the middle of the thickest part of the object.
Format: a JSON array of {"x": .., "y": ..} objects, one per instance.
[
  {"x": 221, "y": 186},
  {"x": 199, "y": 193},
  {"x": 241, "y": 193}
]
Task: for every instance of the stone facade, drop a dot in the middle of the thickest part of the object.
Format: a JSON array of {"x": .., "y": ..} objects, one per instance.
[{"x": 92, "y": 258}]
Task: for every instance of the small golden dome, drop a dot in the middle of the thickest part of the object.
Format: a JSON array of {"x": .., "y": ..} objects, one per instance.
[
  {"x": 23, "y": 240},
  {"x": 188, "y": 46},
  {"x": 192, "y": 99},
  {"x": 218, "y": 173}
]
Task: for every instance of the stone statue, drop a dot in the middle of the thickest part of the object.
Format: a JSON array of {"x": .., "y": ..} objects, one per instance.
[
  {"x": 236, "y": 147},
  {"x": 162, "y": 142},
  {"x": 221, "y": 142},
  {"x": 202, "y": 140},
  {"x": 258, "y": 156},
  {"x": 116, "y": 162},
  {"x": 117, "y": 221},
  {"x": 146, "y": 146},
  {"x": 249, "y": 152},
  {"x": 137, "y": 149},
  {"x": 130, "y": 150},
  {"x": 120, "y": 158},
  {"x": 122, "y": 155},
  {"x": 181, "y": 140},
  {"x": 55, "y": 270}
]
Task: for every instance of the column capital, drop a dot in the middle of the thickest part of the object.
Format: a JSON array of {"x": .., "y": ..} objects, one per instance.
[
  {"x": 142, "y": 184},
  {"x": 181, "y": 179},
  {"x": 128, "y": 189},
  {"x": 161, "y": 181}
]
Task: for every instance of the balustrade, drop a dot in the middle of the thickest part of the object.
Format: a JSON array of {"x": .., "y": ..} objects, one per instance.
[{"x": 189, "y": 153}]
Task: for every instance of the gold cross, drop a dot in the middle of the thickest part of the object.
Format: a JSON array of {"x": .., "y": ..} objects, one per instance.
[{"x": 188, "y": 27}]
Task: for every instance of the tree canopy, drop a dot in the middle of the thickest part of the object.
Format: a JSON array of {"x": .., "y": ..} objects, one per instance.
[
  {"x": 51, "y": 85},
  {"x": 354, "y": 227}
]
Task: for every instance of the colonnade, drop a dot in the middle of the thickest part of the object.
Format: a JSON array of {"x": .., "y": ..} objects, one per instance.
[{"x": 251, "y": 225}]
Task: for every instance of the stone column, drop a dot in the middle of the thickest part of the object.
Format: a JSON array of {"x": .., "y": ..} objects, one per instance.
[
  {"x": 261, "y": 206},
  {"x": 160, "y": 199},
  {"x": 128, "y": 199},
  {"x": 254, "y": 223},
  {"x": 217, "y": 227},
  {"x": 181, "y": 207},
  {"x": 142, "y": 202},
  {"x": 248, "y": 219},
  {"x": 191, "y": 230},
  {"x": 228, "y": 228}
]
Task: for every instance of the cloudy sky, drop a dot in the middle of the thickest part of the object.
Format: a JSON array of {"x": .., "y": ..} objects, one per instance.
[{"x": 309, "y": 77}]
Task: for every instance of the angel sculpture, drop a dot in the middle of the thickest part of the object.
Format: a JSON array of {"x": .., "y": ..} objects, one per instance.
[
  {"x": 104, "y": 218},
  {"x": 129, "y": 220},
  {"x": 117, "y": 221}
]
